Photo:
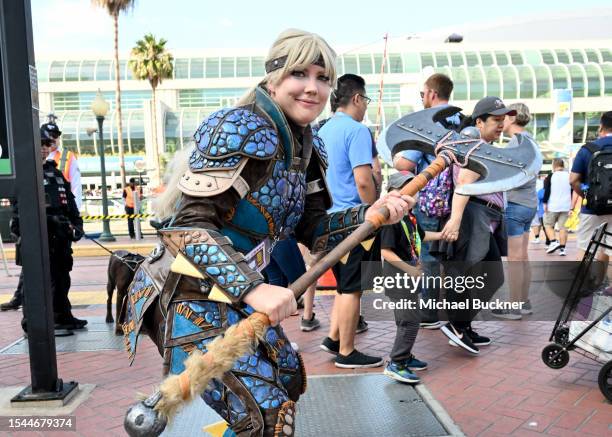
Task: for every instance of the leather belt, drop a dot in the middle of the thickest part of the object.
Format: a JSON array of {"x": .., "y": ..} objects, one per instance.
[{"x": 487, "y": 203}]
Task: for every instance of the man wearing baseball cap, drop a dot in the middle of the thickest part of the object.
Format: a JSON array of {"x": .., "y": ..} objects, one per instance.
[
  {"x": 488, "y": 115},
  {"x": 65, "y": 160}
]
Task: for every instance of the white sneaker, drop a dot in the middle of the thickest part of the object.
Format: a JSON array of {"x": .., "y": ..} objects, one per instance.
[
  {"x": 526, "y": 309},
  {"x": 562, "y": 251},
  {"x": 536, "y": 240},
  {"x": 554, "y": 245}
]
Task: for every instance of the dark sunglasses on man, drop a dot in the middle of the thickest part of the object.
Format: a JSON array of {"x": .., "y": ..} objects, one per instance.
[{"x": 366, "y": 98}]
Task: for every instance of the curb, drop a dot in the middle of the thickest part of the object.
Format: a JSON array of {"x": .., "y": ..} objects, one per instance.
[{"x": 83, "y": 251}]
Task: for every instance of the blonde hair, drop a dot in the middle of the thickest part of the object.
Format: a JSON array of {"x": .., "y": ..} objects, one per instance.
[
  {"x": 302, "y": 49},
  {"x": 164, "y": 205}
]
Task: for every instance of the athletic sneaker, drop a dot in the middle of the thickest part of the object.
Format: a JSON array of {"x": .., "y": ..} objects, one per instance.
[
  {"x": 562, "y": 251},
  {"x": 357, "y": 360},
  {"x": 507, "y": 314},
  {"x": 526, "y": 308},
  {"x": 459, "y": 337},
  {"x": 362, "y": 325},
  {"x": 414, "y": 364},
  {"x": 400, "y": 372},
  {"x": 554, "y": 245},
  {"x": 331, "y": 346},
  {"x": 431, "y": 325},
  {"x": 309, "y": 325},
  {"x": 477, "y": 339},
  {"x": 536, "y": 240}
]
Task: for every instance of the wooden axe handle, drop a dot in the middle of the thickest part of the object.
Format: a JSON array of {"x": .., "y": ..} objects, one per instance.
[{"x": 364, "y": 230}]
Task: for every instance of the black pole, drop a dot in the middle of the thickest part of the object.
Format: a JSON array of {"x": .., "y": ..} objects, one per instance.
[
  {"x": 106, "y": 232},
  {"x": 21, "y": 103}
]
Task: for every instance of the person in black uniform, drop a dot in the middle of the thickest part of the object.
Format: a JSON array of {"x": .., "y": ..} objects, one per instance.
[{"x": 64, "y": 225}]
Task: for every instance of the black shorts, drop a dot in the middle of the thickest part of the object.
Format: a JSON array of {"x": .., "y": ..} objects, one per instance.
[{"x": 353, "y": 276}]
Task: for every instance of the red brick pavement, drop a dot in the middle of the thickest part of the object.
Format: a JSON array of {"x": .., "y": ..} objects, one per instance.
[{"x": 506, "y": 390}]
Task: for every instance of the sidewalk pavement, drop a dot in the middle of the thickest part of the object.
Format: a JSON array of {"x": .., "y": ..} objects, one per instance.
[{"x": 506, "y": 390}]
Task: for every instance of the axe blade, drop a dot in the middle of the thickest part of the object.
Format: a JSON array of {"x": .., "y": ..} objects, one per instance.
[{"x": 500, "y": 169}]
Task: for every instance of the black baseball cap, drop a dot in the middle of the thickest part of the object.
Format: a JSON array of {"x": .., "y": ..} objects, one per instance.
[
  {"x": 50, "y": 130},
  {"x": 399, "y": 179},
  {"x": 492, "y": 106}
]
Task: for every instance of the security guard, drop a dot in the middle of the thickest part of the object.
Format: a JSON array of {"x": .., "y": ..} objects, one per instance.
[
  {"x": 65, "y": 160},
  {"x": 64, "y": 225}
]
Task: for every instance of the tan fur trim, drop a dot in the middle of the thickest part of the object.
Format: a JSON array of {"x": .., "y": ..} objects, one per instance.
[
  {"x": 214, "y": 181},
  {"x": 285, "y": 425}
]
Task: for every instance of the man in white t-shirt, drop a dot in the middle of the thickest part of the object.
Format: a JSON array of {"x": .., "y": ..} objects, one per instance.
[{"x": 557, "y": 204}]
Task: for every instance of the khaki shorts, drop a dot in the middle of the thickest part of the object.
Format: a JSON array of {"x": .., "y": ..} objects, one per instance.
[
  {"x": 586, "y": 227},
  {"x": 550, "y": 218}
]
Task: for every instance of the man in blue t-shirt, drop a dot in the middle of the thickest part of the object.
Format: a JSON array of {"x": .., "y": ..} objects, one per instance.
[
  {"x": 350, "y": 180},
  {"x": 579, "y": 175},
  {"x": 436, "y": 93}
]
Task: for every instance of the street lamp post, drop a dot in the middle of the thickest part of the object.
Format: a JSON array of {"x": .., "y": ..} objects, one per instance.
[{"x": 100, "y": 109}]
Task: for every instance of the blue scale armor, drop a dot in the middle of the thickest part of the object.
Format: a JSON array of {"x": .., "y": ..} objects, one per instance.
[
  {"x": 141, "y": 293},
  {"x": 266, "y": 395},
  {"x": 229, "y": 135},
  {"x": 336, "y": 227}
]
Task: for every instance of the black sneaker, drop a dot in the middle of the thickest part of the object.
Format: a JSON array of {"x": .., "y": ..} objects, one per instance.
[
  {"x": 357, "y": 360},
  {"x": 71, "y": 323},
  {"x": 478, "y": 340},
  {"x": 362, "y": 325},
  {"x": 11, "y": 305},
  {"x": 331, "y": 346},
  {"x": 459, "y": 337},
  {"x": 311, "y": 324}
]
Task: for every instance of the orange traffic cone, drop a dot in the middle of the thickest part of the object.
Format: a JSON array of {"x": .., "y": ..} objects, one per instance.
[{"x": 327, "y": 281}]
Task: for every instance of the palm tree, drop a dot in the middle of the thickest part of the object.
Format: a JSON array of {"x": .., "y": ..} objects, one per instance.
[
  {"x": 114, "y": 8},
  {"x": 149, "y": 60}
]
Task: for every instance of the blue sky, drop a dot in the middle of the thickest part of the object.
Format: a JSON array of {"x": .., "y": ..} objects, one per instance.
[{"x": 74, "y": 26}]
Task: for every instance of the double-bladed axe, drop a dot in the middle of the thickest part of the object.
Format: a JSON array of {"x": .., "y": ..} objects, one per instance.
[{"x": 501, "y": 169}]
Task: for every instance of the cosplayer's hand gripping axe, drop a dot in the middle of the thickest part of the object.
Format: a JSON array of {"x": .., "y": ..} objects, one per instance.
[{"x": 501, "y": 169}]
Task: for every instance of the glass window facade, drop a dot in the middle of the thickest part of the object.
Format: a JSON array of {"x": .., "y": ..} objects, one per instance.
[
  {"x": 56, "y": 72},
  {"x": 577, "y": 56},
  {"x": 196, "y": 68},
  {"x": 563, "y": 56},
  {"x": 82, "y": 101},
  {"x": 258, "y": 67},
  {"x": 510, "y": 85},
  {"x": 243, "y": 67},
  {"x": 212, "y": 67},
  {"x": 442, "y": 59},
  {"x": 548, "y": 57},
  {"x": 606, "y": 55},
  {"x": 487, "y": 58},
  {"x": 501, "y": 58},
  {"x": 477, "y": 89},
  {"x": 592, "y": 127},
  {"x": 543, "y": 82},
  {"x": 577, "y": 76},
  {"x": 172, "y": 132},
  {"x": 228, "y": 67},
  {"x": 592, "y": 55},
  {"x": 593, "y": 80},
  {"x": 579, "y": 127},
  {"x": 365, "y": 64},
  {"x": 427, "y": 60},
  {"x": 209, "y": 97},
  {"x": 542, "y": 126},
  {"x": 560, "y": 77},
  {"x": 460, "y": 89},
  {"x": 526, "y": 85},
  {"x": 493, "y": 81},
  {"x": 181, "y": 68},
  {"x": 457, "y": 59},
  {"x": 88, "y": 70},
  {"x": 607, "y": 74},
  {"x": 350, "y": 64},
  {"x": 72, "y": 71},
  {"x": 395, "y": 63},
  {"x": 103, "y": 70},
  {"x": 516, "y": 57},
  {"x": 412, "y": 62},
  {"x": 391, "y": 93},
  {"x": 472, "y": 58}
]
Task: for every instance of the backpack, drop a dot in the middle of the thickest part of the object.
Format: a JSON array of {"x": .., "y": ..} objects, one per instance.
[
  {"x": 599, "y": 180},
  {"x": 435, "y": 198}
]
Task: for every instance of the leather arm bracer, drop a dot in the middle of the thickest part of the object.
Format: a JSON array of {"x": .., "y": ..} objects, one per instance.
[
  {"x": 210, "y": 256},
  {"x": 336, "y": 226}
]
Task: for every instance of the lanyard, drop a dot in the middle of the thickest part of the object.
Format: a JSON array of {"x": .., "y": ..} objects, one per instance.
[{"x": 415, "y": 240}]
